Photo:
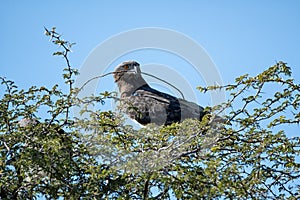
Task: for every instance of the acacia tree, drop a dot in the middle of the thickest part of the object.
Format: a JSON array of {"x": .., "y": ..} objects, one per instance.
[{"x": 55, "y": 155}]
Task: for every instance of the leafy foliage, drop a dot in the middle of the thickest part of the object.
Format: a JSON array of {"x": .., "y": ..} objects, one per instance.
[{"x": 100, "y": 157}]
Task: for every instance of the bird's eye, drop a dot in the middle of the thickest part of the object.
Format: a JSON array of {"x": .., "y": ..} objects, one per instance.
[{"x": 126, "y": 67}]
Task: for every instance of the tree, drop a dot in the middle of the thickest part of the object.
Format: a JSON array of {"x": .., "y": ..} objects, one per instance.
[{"x": 100, "y": 157}]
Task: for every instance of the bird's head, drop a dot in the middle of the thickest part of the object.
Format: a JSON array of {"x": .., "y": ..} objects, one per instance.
[
  {"x": 128, "y": 77},
  {"x": 127, "y": 70}
]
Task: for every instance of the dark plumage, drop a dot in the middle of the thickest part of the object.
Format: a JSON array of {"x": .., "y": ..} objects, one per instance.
[{"x": 147, "y": 105}]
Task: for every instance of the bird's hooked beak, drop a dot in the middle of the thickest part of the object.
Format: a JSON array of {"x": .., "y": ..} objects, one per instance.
[{"x": 135, "y": 70}]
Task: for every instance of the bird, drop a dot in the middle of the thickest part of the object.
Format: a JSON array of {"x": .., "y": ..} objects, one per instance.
[
  {"x": 145, "y": 104},
  {"x": 33, "y": 122}
]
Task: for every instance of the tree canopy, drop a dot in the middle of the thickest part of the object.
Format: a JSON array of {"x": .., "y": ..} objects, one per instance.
[{"x": 56, "y": 155}]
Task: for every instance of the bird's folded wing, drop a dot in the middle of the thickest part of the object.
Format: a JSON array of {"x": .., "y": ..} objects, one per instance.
[
  {"x": 159, "y": 108},
  {"x": 145, "y": 109}
]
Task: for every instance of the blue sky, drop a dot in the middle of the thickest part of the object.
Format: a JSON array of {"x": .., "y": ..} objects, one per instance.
[{"x": 239, "y": 36}]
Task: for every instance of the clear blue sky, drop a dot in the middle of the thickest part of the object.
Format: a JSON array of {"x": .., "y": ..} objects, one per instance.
[{"x": 240, "y": 36}]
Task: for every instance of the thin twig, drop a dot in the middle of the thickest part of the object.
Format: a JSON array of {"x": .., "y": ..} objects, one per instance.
[
  {"x": 109, "y": 73},
  {"x": 165, "y": 82},
  {"x": 96, "y": 77}
]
